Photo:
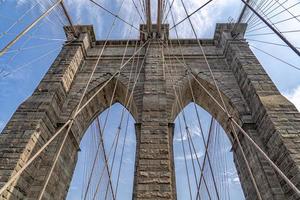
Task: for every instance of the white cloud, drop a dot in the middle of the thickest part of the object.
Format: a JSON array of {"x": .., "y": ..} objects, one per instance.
[
  {"x": 194, "y": 132},
  {"x": 203, "y": 20},
  {"x": 294, "y": 96},
  {"x": 190, "y": 156}
]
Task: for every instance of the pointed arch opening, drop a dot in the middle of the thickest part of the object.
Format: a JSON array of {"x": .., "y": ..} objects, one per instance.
[
  {"x": 105, "y": 163},
  {"x": 205, "y": 167}
]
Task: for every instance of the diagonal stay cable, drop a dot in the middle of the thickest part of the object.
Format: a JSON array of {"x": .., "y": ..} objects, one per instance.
[
  {"x": 126, "y": 129},
  {"x": 258, "y": 22},
  {"x": 278, "y": 22},
  {"x": 273, "y": 43},
  {"x": 272, "y": 33},
  {"x": 101, "y": 146},
  {"x": 278, "y": 13},
  {"x": 26, "y": 41},
  {"x": 224, "y": 106},
  {"x": 211, "y": 97},
  {"x": 142, "y": 5},
  {"x": 185, "y": 159},
  {"x": 180, "y": 106},
  {"x": 126, "y": 105},
  {"x": 40, "y": 37},
  {"x": 206, "y": 155},
  {"x": 122, "y": 115},
  {"x": 169, "y": 9},
  {"x": 191, "y": 144},
  {"x": 191, "y": 14},
  {"x": 105, "y": 157},
  {"x": 20, "y": 19},
  {"x": 138, "y": 11},
  {"x": 198, "y": 118},
  {"x": 116, "y": 16},
  {"x": 111, "y": 101},
  {"x": 193, "y": 147},
  {"x": 264, "y": 9},
  {"x": 100, "y": 52},
  {"x": 29, "y": 63},
  {"x": 285, "y": 62},
  {"x": 28, "y": 28},
  {"x": 264, "y": 17},
  {"x": 32, "y": 47}
]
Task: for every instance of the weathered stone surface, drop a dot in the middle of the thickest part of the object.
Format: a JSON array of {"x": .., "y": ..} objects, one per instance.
[{"x": 249, "y": 94}]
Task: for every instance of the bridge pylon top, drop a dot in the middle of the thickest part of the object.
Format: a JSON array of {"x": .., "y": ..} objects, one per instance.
[{"x": 154, "y": 34}]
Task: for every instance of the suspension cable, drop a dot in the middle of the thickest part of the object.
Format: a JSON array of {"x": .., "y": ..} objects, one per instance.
[
  {"x": 198, "y": 117},
  {"x": 100, "y": 144},
  {"x": 244, "y": 157},
  {"x": 206, "y": 154},
  {"x": 289, "y": 64},
  {"x": 31, "y": 47},
  {"x": 122, "y": 115},
  {"x": 142, "y": 5},
  {"x": 224, "y": 105},
  {"x": 189, "y": 15},
  {"x": 198, "y": 122},
  {"x": 278, "y": 13},
  {"x": 114, "y": 90},
  {"x": 273, "y": 43},
  {"x": 126, "y": 129},
  {"x": 116, "y": 16},
  {"x": 105, "y": 158},
  {"x": 182, "y": 144},
  {"x": 278, "y": 22},
  {"x": 137, "y": 10},
  {"x": 27, "y": 64},
  {"x": 185, "y": 160},
  {"x": 131, "y": 95},
  {"x": 264, "y": 9},
  {"x": 80, "y": 101},
  {"x": 204, "y": 142},
  {"x": 274, "y": 166},
  {"x": 170, "y": 6},
  {"x": 272, "y": 33},
  {"x": 28, "y": 28},
  {"x": 18, "y": 20},
  {"x": 189, "y": 138}
]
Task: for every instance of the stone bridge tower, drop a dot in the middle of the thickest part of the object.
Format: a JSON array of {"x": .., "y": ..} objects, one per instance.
[{"x": 250, "y": 95}]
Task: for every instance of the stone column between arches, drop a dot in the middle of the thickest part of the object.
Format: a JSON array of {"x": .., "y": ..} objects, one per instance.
[{"x": 154, "y": 178}]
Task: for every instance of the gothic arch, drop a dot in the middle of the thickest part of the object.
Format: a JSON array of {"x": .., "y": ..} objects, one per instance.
[
  {"x": 65, "y": 167},
  {"x": 239, "y": 110},
  {"x": 236, "y": 108},
  {"x": 85, "y": 148},
  {"x": 186, "y": 158},
  {"x": 101, "y": 102}
]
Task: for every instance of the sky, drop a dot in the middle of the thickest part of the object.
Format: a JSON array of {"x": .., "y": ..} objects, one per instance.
[{"x": 25, "y": 63}]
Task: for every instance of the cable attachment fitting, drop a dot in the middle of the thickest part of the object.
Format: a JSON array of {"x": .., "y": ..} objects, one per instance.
[{"x": 230, "y": 117}]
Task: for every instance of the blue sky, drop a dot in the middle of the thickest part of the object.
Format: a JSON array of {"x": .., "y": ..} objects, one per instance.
[{"x": 24, "y": 65}]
